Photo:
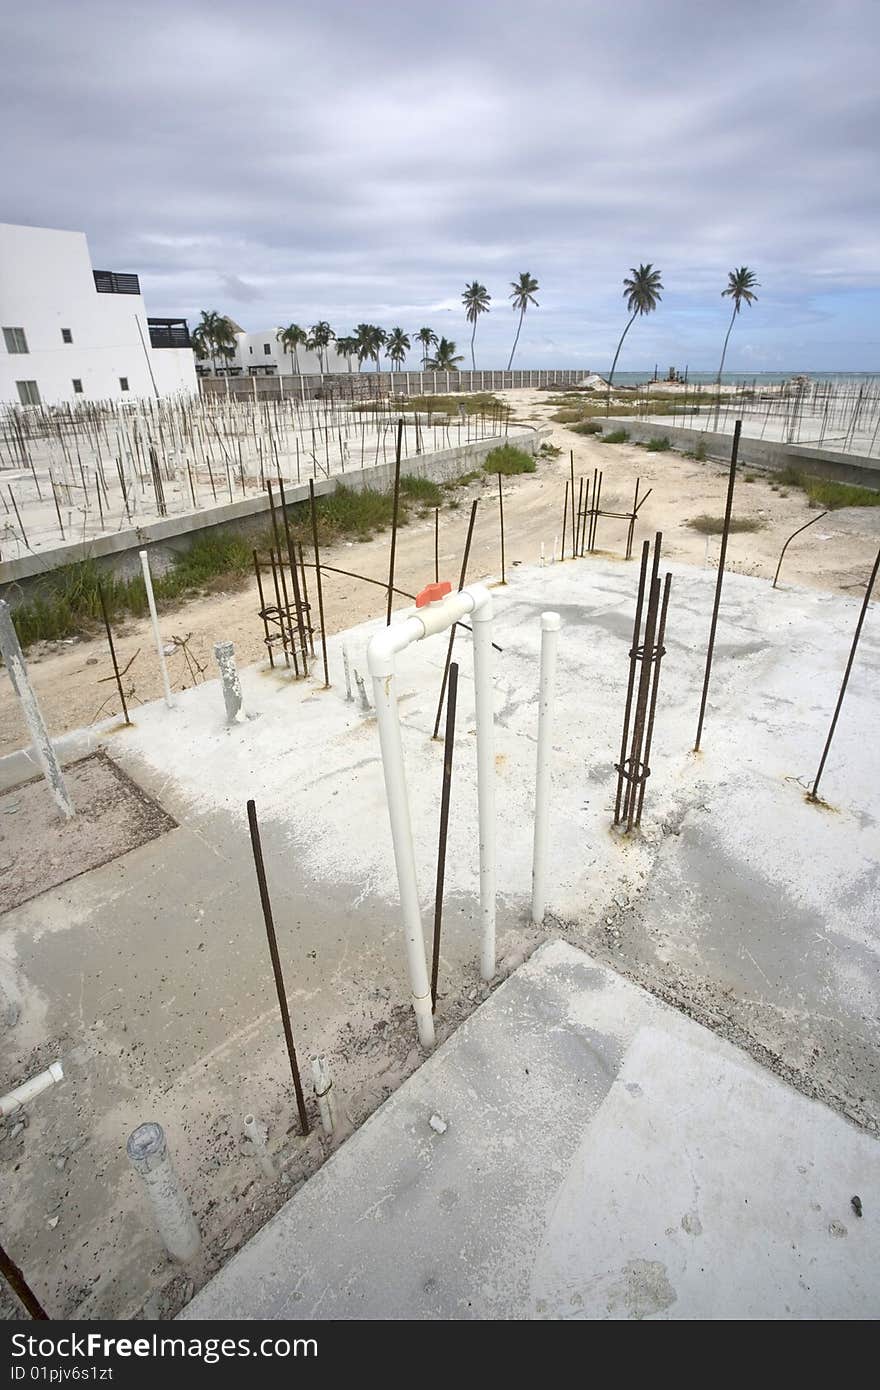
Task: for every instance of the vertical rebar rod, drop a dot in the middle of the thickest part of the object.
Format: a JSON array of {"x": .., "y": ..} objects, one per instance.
[
  {"x": 284, "y": 614},
  {"x": 719, "y": 582},
  {"x": 113, "y": 653},
  {"x": 263, "y": 610},
  {"x": 276, "y": 963},
  {"x": 655, "y": 687},
  {"x": 436, "y": 545},
  {"x": 849, "y": 665},
  {"x": 278, "y": 608},
  {"x": 564, "y": 520},
  {"x": 633, "y": 661},
  {"x": 20, "y": 1286},
  {"x": 320, "y": 587},
  {"x": 641, "y": 710},
  {"x": 452, "y": 630},
  {"x": 307, "y": 607},
  {"x": 448, "y": 752},
  {"x": 573, "y": 519},
  {"x": 297, "y": 598},
  {"x": 394, "y": 513}
]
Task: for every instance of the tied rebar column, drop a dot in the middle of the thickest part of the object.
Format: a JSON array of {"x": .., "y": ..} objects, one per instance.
[
  {"x": 645, "y": 657},
  {"x": 719, "y": 582}
]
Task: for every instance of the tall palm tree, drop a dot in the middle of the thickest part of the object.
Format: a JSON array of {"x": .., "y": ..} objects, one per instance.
[
  {"x": 215, "y": 334},
  {"x": 524, "y": 290},
  {"x": 397, "y": 348},
  {"x": 642, "y": 295},
  {"x": 741, "y": 285},
  {"x": 347, "y": 347},
  {"x": 291, "y": 338},
  {"x": 319, "y": 339},
  {"x": 476, "y": 300},
  {"x": 444, "y": 359},
  {"x": 427, "y": 337}
]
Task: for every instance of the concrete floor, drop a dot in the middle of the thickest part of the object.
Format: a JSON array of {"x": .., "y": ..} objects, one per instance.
[
  {"x": 741, "y": 904},
  {"x": 604, "y": 1158}
]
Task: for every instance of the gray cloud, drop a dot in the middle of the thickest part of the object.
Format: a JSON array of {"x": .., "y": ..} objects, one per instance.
[{"x": 354, "y": 161}]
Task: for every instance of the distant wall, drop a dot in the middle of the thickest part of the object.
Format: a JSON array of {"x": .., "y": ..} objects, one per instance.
[
  {"x": 763, "y": 453},
  {"x": 368, "y": 385},
  {"x": 118, "y": 553}
]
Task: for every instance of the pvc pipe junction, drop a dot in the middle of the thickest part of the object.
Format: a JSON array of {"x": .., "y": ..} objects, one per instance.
[{"x": 28, "y": 1090}]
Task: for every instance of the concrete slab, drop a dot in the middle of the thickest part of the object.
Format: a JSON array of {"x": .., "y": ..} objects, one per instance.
[{"x": 604, "y": 1158}]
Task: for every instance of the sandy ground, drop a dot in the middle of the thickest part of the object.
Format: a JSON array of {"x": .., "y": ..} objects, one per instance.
[{"x": 835, "y": 555}]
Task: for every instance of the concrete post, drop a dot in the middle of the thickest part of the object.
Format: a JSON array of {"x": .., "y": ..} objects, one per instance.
[
  {"x": 148, "y": 1155},
  {"x": 232, "y": 696},
  {"x": 11, "y": 652}
]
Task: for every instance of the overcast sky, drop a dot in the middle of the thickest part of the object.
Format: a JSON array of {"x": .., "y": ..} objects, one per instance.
[{"x": 361, "y": 160}]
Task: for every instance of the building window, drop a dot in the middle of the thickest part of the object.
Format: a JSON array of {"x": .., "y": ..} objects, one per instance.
[
  {"x": 123, "y": 383},
  {"x": 251, "y": 350},
  {"x": 77, "y": 385},
  {"x": 267, "y": 348},
  {"x": 15, "y": 340},
  {"x": 28, "y": 392},
  {"x": 66, "y": 335}
]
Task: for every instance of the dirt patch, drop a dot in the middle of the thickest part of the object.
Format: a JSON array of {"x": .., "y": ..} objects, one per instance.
[{"x": 39, "y": 850}]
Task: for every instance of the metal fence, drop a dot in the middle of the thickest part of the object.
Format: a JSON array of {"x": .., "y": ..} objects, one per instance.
[{"x": 367, "y": 385}]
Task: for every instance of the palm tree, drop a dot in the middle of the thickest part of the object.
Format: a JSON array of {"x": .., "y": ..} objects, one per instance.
[
  {"x": 398, "y": 346},
  {"x": 319, "y": 339},
  {"x": 741, "y": 285},
  {"x": 427, "y": 337},
  {"x": 642, "y": 295},
  {"x": 291, "y": 338},
  {"x": 214, "y": 334},
  {"x": 523, "y": 295},
  {"x": 444, "y": 359},
  {"x": 476, "y": 300},
  {"x": 347, "y": 347}
]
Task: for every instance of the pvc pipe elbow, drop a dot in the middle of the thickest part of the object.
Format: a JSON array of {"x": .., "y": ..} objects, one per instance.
[
  {"x": 550, "y": 622},
  {"x": 384, "y": 646}
]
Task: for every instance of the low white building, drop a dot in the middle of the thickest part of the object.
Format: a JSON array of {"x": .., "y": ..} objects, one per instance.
[
  {"x": 69, "y": 332},
  {"x": 261, "y": 354}
]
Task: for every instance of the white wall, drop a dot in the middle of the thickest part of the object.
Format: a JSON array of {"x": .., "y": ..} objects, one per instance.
[
  {"x": 46, "y": 284},
  {"x": 251, "y": 353}
]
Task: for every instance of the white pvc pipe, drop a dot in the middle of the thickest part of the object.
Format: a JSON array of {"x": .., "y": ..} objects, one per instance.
[
  {"x": 154, "y": 617},
  {"x": 381, "y": 654},
  {"x": 29, "y": 1089},
  {"x": 258, "y": 1133},
  {"x": 148, "y": 1155},
  {"x": 550, "y": 625},
  {"x": 13, "y": 658},
  {"x": 323, "y": 1083}
]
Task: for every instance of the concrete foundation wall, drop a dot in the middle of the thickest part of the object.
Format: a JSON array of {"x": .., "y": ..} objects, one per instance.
[
  {"x": 763, "y": 453},
  {"x": 373, "y": 385},
  {"x": 118, "y": 553}
]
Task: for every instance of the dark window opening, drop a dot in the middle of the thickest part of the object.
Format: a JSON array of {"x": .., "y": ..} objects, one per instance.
[
  {"x": 66, "y": 335},
  {"x": 77, "y": 385},
  {"x": 169, "y": 333},
  {"x": 267, "y": 348},
  {"x": 15, "y": 340},
  {"x": 123, "y": 383},
  {"x": 28, "y": 392},
  {"x": 109, "y": 282}
]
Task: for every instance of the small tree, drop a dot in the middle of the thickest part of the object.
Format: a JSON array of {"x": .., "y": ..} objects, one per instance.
[
  {"x": 444, "y": 359},
  {"x": 427, "y": 337},
  {"x": 398, "y": 346}
]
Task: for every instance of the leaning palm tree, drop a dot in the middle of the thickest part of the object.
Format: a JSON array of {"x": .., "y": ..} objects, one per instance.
[
  {"x": 444, "y": 359},
  {"x": 319, "y": 339},
  {"x": 397, "y": 348},
  {"x": 741, "y": 285},
  {"x": 291, "y": 338},
  {"x": 476, "y": 300},
  {"x": 347, "y": 347},
  {"x": 427, "y": 337},
  {"x": 523, "y": 295},
  {"x": 642, "y": 295}
]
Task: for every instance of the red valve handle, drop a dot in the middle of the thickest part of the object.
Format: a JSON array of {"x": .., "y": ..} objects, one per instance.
[{"x": 433, "y": 592}]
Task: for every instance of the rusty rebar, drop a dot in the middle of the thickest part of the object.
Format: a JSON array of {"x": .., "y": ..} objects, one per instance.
[
  {"x": 276, "y": 963},
  {"x": 113, "y": 653},
  {"x": 461, "y": 580},
  {"x": 320, "y": 587},
  {"x": 501, "y": 518},
  {"x": 20, "y": 1286},
  {"x": 394, "y": 515},
  {"x": 659, "y": 653},
  {"x": 633, "y": 659},
  {"x": 849, "y": 665},
  {"x": 263, "y": 614},
  {"x": 720, "y": 581},
  {"x": 811, "y": 522}
]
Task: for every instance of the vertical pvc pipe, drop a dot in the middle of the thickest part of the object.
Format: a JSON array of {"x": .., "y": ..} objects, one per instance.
[
  {"x": 550, "y": 625},
  {"x": 10, "y": 649},
  {"x": 385, "y": 698},
  {"x": 154, "y": 618},
  {"x": 224, "y": 653},
  {"x": 148, "y": 1155},
  {"x": 323, "y": 1083},
  {"x": 482, "y": 634}
]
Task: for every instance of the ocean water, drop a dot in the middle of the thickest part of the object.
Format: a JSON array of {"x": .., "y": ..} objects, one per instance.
[{"x": 746, "y": 378}]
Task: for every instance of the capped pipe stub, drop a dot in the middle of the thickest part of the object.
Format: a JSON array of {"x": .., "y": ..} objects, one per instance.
[
  {"x": 551, "y": 622},
  {"x": 432, "y": 593},
  {"x": 146, "y": 1146}
]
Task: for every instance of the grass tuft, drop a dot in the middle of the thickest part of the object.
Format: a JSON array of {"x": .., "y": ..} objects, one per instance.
[
  {"x": 615, "y": 437},
  {"x": 714, "y": 525},
  {"x": 508, "y": 459}
]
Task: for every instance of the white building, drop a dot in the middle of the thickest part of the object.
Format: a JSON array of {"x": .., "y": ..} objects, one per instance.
[
  {"x": 69, "y": 333},
  {"x": 261, "y": 354}
]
